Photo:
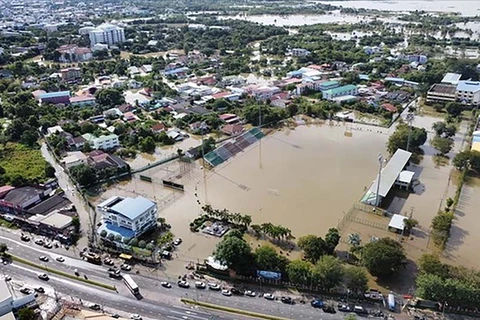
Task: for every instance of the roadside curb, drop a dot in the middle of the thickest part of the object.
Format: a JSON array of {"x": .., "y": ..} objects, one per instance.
[
  {"x": 63, "y": 274},
  {"x": 231, "y": 310}
]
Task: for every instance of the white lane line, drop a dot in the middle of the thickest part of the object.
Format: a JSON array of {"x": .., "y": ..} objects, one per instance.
[{"x": 192, "y": 316}]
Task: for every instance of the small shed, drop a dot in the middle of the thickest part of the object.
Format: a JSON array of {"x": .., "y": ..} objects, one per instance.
[
  {"x": 404, "y": 179},
  {"x": 397, "y": 223}
]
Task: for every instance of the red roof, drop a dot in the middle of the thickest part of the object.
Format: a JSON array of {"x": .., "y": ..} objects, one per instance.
[
  {"x": 227, "y": 116},
  {"x": 281, "y": 95},
  {"x": 389, "y": 107},
  {"x": 231, "y": 129},
  {"x": 221, "y": 95},
  {"x": 158, "y": 127}
]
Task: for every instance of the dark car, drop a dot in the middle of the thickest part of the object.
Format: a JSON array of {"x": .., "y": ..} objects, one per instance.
[
  {"x": 43, "y": 258},
  {"x": 360, "y": 310},
  {"x": 40, "y": 290},
  {"x": 287, "y": 300},
  {"x": 43, "y": 277},
  {"x": 115, "y": 275},
  {"x": 237, "y": 292},
  {"x": 108, "y": 262},
  {"x": 344, "y": 307},
  {"x": 25, "y": 238},
  {"x": 95, "y": 306},
  {"x": 317, "y": 303},
  {"x": 329, "y": 309}
]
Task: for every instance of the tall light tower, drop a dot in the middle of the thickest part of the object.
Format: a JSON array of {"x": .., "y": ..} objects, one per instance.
[
  {"x": 380, "y": 166},
  {"x": 410, "y": 117}
]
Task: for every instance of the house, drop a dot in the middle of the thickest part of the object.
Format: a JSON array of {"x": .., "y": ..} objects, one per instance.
[
  {"x": 348, "y": 90},
  {"x": 86, "y": 100},
  {"x": 106, "y": 33},
  {"x": 158, "y": 127},
  {"x": 389, "y": 107},
  {"x": 129, "y": 117},
  {"x": 232, "y": 129},
  {"x": 125, "y": 108},
  {"x": 299, "y": 52},
  {"x": 229, "y": 118},
  {"x": 104, "y": 142},
  {"x": 175, "y": 135},
  {"x": 71, "y": 74},
  {"x": 60, "y": 97},
  {"x": 280, "y": 103},
  {"x": 53, "y": 130},
  {"x": 74, "y": 158},
  {"x": 74, "y": 53},
  {"x": 147, "y": 68},
  {"x": 137, "y": 215},
  {"x": 199, "y": 127},
  {"x": 468, "y": 92},
  {"x": 100, "y": 160},
  {"x": 76, "y": 143}
]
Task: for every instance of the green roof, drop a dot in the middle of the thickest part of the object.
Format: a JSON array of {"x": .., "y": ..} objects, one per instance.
[
  {"x": 341, "y": 89},
  {"x": 329, "y": 83}
]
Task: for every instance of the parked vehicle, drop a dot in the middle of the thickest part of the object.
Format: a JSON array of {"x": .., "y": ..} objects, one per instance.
[
  {"x": 177, "y": 241},
  {"x": 126, "y": 267},
  {"x": 287, "y": 300},
  {"x": 43, "y": 276},
  {"x": 43, "y": 258},
  {"x": 26, "y": 290},
  {"x": 329, "y": 309},
  {"x": 94, "y": 306},
  {"x": 344, "y": 307},
  {"x": 166, "y": 284},
  {"x": 115, "y": 275},
  {"x": 269, "y": 296},
  {"x": 214, "y": 286},
  {"x": 60, "y": 259},
  {"x": 317, "y": 303},
  {"x": 200, "y": 285},
  {"x": 39, "y": 242},
  {"x": 108, "y": 262},
  {"x": 226, "y": 292},
  {"x": 39, "y": 290},
  {"x": 250, "y": 293},
  {"x": 183, "y": 284},
  {"x": 25, "y": 238},
  {"x": 237, "y": 292},
  {"x": 391, "y": 302},
  {"x": 360, "y": 310}
]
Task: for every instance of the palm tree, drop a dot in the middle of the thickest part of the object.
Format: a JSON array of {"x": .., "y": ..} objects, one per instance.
[
  {"x": 354, "y": 239},
  {"x": 236, "y": 218},
  {"x": 246, "y": 220},
  {"x": 208, "y": 209}
]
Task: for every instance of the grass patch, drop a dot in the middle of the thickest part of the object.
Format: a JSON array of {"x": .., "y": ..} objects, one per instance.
[
  {"x": 231, "y": 310},
  {"x": 441, "y": 161},
  {"x": 7, "y": 224},
  {"x": 63, "y": 274},
  {"x": 20, "y": 160}
]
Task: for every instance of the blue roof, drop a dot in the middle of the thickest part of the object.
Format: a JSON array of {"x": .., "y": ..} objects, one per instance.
[
  {"x": 476, "y": 139},
  {"x": 471, "y": 86},
  {"x": 54, "y": 94},
  {"x": 132, "y": 207},
  {"x": 392, "y": 79}
]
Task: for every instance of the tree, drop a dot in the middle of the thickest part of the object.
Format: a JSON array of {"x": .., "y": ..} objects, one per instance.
[
  {"x": 299, "y": 272},
  {"x": 83, "y": 174},
  {"x": 133, "y": 242},
  {"x": 410, "y": 223},
  {"x": 332, "y": 238},
  {"x": 26, "y": 314},
  {"x": 399, "y": 139},
  {"x": 266, "y": 258},
  {"x": 356, "y": 279},
  {"x": 443, "y": 130},
  {"x": 384, "y": 257},
  {"x": 142, "y": 244},
  {"x": 431, "y": 264},
  {"x": 235, "y": 233},
  {"x": 111, "y": 236},
  {"x": 76, "y": 223},
  {"x": 150, "y": 246},
  {"x": 443, "y": 145},
  {"x": 328, "y": 272},
  {"x": 118, "y": 238},
  {"x": 49, "y": 171},
  {"x": 314, "y": 247},
  {"x": 3, "y": 248},
  {"x": 235, "y": 253},
  {"x": 103, "y": 233},
  {"x": 147, "y": 144},
  {"x": 454, "y": 109},
  {"x": 109, "y": 97}
]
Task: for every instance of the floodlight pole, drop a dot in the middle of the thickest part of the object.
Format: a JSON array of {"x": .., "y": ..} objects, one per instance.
[
  {"x": 410, "y": 118},
  {"x": 380, "y": 162}
]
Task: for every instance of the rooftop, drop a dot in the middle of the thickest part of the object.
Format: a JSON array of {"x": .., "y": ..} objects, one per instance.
[
  {"x": 443, "y": 89},
  {"x": 4, "y": 292},
  {"x": 470, "y": 86},
  {"x": 56, "y": 202},
  {"x": 132, "y": 207},
  {"x": 54, "y": 94},
  {"x": 57, "y": 220},
  {"x": 19, "y": 195},
  {"x": 451, "y": 78},
  {"x": 341, "y": 89},
  {"x": 397, "y": 222}
]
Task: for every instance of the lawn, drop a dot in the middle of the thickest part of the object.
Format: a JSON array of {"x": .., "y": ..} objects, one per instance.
[{"x": 23, "y": 161}]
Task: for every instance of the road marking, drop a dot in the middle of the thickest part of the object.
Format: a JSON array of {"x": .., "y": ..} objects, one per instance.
[{"x": 185, "y": 317}]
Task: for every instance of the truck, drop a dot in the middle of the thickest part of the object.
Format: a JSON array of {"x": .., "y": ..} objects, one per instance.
[
  {"x": 424, "y": 304},
  {"x": 92, "y": 257},
  {"x": 391, "y": 302}
]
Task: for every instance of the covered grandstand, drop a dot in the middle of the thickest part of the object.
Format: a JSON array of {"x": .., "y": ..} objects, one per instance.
[{"x": 234, "y": 146}]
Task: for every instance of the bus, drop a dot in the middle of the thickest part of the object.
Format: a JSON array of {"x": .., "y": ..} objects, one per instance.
[
  {"x": 130, "y": 284},
  {"x": 391, "y": 302}
]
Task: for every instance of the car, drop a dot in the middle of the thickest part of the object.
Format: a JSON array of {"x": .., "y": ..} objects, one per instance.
[
  {"x": 269, "y": 296},
  {"x": 287, "y": 300},
  {"x": 177, "y": 241},
  {"x": 108, "y": 262},
  {"x": 7, "y": 278},
  {"x": 250, "y": 293},
  {"x": 329, "y": 309},
  {"x": 166, "y": 254},
  {"x": 39, "y": 290},
  {"x": 115, "y": 275},
  {"x": 226, "y": 292},
  {"x": 43, "y": 276},
  {"x": 43, "y": 258},
  {"x": 135, "y": 317},
  {"x": 60, "y": 259},
  {"x": 25, "y": 238},
  {"x": 47, "y": 245},
  {"x": 344, "y": 307},
  {"x": 237, "y": 292},
  {"x": 126, "y": 267},
  {"x": 39, "y": 242},
  {"x": 26, "y": 290},
  {"x": 183, "y": 284},
  {"x": 166, "y": 284},
  {"x": 214, "y": 286},
  {"x": 317, "y": 303},
  {"x": 360, "y": 310},
  {"x": 200, "y": 285},
  {"x": 95, "y": 306},
  {"x": 115, "y": 315}
]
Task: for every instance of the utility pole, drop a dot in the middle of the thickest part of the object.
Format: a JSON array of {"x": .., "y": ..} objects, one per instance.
[
  {"x": 380, "y": 166},
  {"x": 410, "y": 118}
]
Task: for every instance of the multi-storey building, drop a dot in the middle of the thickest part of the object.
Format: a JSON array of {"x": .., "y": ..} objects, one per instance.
[{"x": 107, "y": 34}]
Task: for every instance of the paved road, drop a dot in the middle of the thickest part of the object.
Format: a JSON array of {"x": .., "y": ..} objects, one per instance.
[{"x": 151, "y": 289}]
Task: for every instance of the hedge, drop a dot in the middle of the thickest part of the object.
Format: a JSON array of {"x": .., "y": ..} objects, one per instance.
[
  {"x": 231, "y": 310},
  {"x": 63, "y": 274}
]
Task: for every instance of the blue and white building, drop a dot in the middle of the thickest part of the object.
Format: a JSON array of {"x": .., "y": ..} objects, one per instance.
[
  {"x": 468, "y": 92},
  {"x": 129, "y": 217}
]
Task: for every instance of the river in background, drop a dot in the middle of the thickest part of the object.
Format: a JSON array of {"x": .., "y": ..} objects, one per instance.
[{"x": 464, "y": 7}]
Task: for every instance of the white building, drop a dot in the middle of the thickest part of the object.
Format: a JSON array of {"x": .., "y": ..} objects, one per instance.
[
  {"x": 74, "y": 158},
  {"x": 299, "y": 52},
  {"x": 106, "y": 33},
  {"x": 10, "y": 301},
  {"x": 105, "y": 142},
  {"x": 136, "y": 214},
  {"x": 468, "y": 92}
]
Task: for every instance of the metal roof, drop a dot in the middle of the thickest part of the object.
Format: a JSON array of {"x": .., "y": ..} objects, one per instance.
[
  {"x": 390, "y": 172},
  {"x": 397, "y": 222},
  {"x": 341, "y": 89},
  {"x": 451, "y": 78},
  {"x": 133, "y": 207},
  {"x": 55, "y": 94},
  {"x": 469, "y": 86}
]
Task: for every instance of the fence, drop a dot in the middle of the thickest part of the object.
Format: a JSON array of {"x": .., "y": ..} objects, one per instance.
[{"x": 350, "y": 216}]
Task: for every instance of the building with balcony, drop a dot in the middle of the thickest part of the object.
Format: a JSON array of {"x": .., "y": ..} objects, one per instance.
[
  {"x": 130, "y": 217},
  {"x": 441, "y": 92},
  {"x": 60, "y": 97},
  {"x": 468, "y": 92},
  {"x": 105, "y": 142},
  {"x": 71, "y": 74},
  {"x": 107, "y": 34}
]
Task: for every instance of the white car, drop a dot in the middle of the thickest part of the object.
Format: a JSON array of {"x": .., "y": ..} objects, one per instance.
[
  {"x": 183, "y": 284},
  {"x": 177, "y": 241},
  {"x": 7, "y": 278},
  {"x": 60, "y": 259},
  {"x": 200, "y": 285},
  {"x": 135, "y": 317},
  {"x": 269, "y": 296},
  {"x": 226, "y": 292},
  {"x": 126, "y": 267},
  {"x": 250, "y": 293},
  {"x": 214, "y": 286}
]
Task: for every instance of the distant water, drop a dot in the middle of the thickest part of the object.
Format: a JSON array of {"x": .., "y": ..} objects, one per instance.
[{"x": 464, "y": 7}]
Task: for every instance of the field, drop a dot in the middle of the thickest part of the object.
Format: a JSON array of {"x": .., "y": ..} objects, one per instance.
[{"x": 19, "y": 160}]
